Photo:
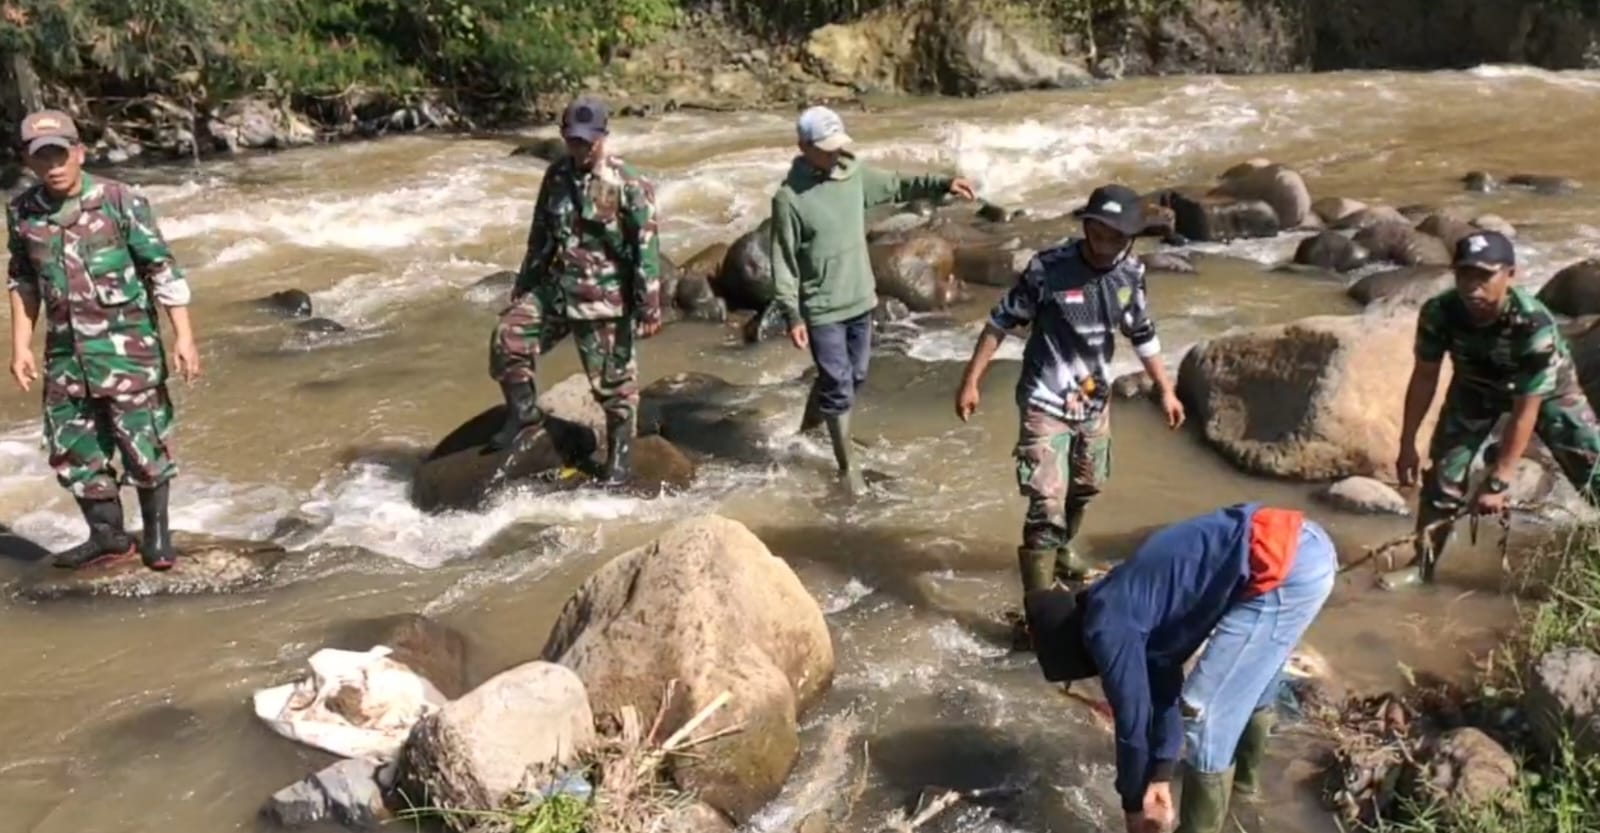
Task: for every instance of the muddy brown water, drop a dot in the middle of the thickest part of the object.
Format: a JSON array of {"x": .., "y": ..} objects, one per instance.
[{"x": 134, "y": 715}]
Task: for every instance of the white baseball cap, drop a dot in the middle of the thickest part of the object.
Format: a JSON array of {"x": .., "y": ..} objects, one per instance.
[{"x": 822, "y": 128}]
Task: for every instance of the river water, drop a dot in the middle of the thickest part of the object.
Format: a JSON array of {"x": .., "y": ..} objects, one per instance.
[{"x": 134, "y": 715}]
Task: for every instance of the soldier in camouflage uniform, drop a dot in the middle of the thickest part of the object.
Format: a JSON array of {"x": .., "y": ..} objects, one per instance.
[
  {"x": 1508, "y": 358},
  {"x": 88, "y": 250},
  {"x": 592, "y": 269},
  {"x": 1073, "y": 298}
]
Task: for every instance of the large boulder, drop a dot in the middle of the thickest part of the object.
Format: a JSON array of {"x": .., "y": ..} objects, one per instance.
[
  {"x": 745, "y": 280},
  {"x": 1335, "y": 209},
  {"x": 705, "y": 415},
  {"x": 1368, "y": 217},
  {"x": 475, "y": 752},
  {"x": 979, "y": 55},
  {"x": 205, "y": 565},
  {"x": 990, "y": 265},
  {"x": 1575, "y": 290},
  {"x": 1447, "y": 226},
  {"x": 1330, "y": 250},
  {"x": 1316, "y": 399},
  {"x": 694, "y": 297},
  {"x": 1214, "y": 219},
  {"x": 14, "y": 547},
  {"x": 253, "y": 123},
  {"x": 349, "y": 792},
  {"x": 461, "y": 474},
  {"x": 1402, "y": 244},
  {"x": 919, "y": 271},
  {"x": 1563, "y": 701},
  {"x": 1276, "y": 185},
  {"x": 706, "y": 605},
  {"x": 1405, "y": 286}
]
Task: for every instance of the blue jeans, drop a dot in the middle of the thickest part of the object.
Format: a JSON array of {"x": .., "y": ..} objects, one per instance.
[
  {"x": 841, "y": 352},
  {"x": 1238, "y": 672}
]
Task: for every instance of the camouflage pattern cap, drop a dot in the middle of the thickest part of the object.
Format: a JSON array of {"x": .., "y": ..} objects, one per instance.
[{"x": 48, "y": 128}]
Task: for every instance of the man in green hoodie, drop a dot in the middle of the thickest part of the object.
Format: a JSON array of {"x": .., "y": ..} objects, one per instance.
[{"x": 824, "y": 279}]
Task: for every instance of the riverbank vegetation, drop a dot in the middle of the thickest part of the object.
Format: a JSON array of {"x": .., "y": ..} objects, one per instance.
[{"x": 1557, "y": 785}]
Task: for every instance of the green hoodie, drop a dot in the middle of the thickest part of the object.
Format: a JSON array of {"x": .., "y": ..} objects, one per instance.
[{"x": 819, "y": 236}]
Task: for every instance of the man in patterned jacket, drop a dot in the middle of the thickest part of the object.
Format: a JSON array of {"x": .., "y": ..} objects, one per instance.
[
  {"x": 88, "y": 251},
  {"x": 1508, "y": 358},
  {"x": 593, "y": 269},
  {"x": 1073, "y": 297}
]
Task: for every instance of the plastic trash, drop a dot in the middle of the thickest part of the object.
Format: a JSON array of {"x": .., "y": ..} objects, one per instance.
[{"x": 353, "y": 704}]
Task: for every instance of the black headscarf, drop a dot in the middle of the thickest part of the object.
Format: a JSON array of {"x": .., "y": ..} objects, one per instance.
[{"x": 1055, "y": 621}]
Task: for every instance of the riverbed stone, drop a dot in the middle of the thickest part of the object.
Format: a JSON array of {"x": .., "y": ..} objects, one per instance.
[
  {"x": 1406, "y": 286},
  {"x": 1315, "y": 399},
  {"x": 350, "y": 793},
  {"x": 745, "y": 281},
  {"x": 1335, "y": 209},
  {"x": 1497, "y": 224},
  {"x": 1402, "y": 244},
  {"x": 292, "y": 303},
  {"x": 16, "y": 548},
  {"x": 433, "y": 650},
  {"x": 1218, "y": 219},
  {"x": 1277, "y": 185},
  {"x": 1564, "y": 700},
  {"x": 1133, "y": 385},
  {"x": 706, "y": 415},
  {"x": 707, "y": 605},
  {"x": 474, "y": 753},
  {"x": 1545, "y": 184},
  {"x": 205, "y": 565},
  {"x": 462, "y": 474},
  {"x": 1575, "y": 290},
  {"x": 1171, "y": 262},
  {"x": 1330, "y": 250},
  {"x": 919, "y": 271},
  {"x": 1466, "y": 769},
  {"x": 1365, "y": 496}
]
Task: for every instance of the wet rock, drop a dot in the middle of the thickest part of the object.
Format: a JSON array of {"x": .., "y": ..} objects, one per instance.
[
  {"x": 765, "y": 325},
  {"x": 890, "y": 310},
  {"x": 1563, "y": 700},
  {"x": 1168, "y": 262},
  {"x": 1406, "y": 286},
  {"x": 1369, "y": 217},
  {"x": 919, "y": 271},
  {"x": 1315, "y": 399},
  {"x": 206, "y": 565},
  {"x": 745, "y": 281},
  {"x": 498, "y": 282},
  {"x": 1495, "y": 223},
  {"x": 461, "y": 474},
  {"x": 14, "y": 547},
  {"x": 659, "y": 466},
  {"x": 1365, "y": 496},
  {"x": 1133, "y": 385},
  {"x": 709, "y": 606},
  {"x": 695, "y": 817},
  {"x": 434, "y": 651},
  {"x": 1330, "y": 250},
  {"x": 990, "y": 265},
  {"x": 1402, "y": 244},
  {"x": 897, "y": 223},
  {"x": 1416, "y": 212},
  {"x": 474, "y": 753},
  {"x": 548, "y": 148},
  {"x": 1575, "y": 290},
  {"x": 349, "y": 792},
  {"x": 969, "y": 53},
  {"x": 705, "y": 415},
  {"x": 1482, "y": 182},
  {"x": 1276, "y": 185},
  {"x": 695, "y": 297},
  {"x": 319, "y": 327},
  {"x": 991, "y": 213},
  {"x": 1335, "y": 209},
  {"x": 1466, "y": 770},
  {"x": 572, "y": 399},
  {"x": 1447, "y": 227},
  {"x": 294, "y": 303},
  {"x": 1220, "y": 219},
  {"x": 1544, "y": 184}
]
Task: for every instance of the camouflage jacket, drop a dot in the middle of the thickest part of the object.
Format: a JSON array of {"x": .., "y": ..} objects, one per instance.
[
  {"x": 98, "y": 264},
  {"x": 1522, "y": 353},
  {"x": 594, "y": 236}
]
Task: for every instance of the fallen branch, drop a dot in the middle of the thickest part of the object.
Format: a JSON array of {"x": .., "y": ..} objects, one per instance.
[{"x": 898, "y": 823}]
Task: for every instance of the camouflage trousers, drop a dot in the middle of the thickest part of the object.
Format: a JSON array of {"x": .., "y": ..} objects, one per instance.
[
  {"x": 85, "y": 432},
  {"x": 527, "y": 328},
  {"x": 1567, "y": 425},
  {"x": 1061, "y": 466}
]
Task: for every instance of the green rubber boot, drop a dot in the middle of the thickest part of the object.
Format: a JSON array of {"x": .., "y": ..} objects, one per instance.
[
  {"x": 1204, "y": 805},
  {"x": 1251, "y": 756},
  {"x": 1037, "y": 568},
  {"x": 1070, "y": 567},
  {"x": 843, "y": 454}
]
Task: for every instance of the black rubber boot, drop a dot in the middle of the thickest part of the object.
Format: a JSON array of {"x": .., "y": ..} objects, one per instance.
[
  {"x": 107, "y": 537},
  {"x": 619, "y": 450},
  {"x": 522, "y": 411},
  {"x": 156, "y": 548},
  {"x": 843, "y": 454}
]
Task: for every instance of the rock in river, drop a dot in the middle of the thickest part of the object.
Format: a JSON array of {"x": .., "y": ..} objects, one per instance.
[
  {"x": 205, "y": 565},
  {"x": 708, "y": 605}
]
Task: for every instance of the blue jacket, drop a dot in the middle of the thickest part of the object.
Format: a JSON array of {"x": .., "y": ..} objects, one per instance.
[{"x": 1146, "y": 618}]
